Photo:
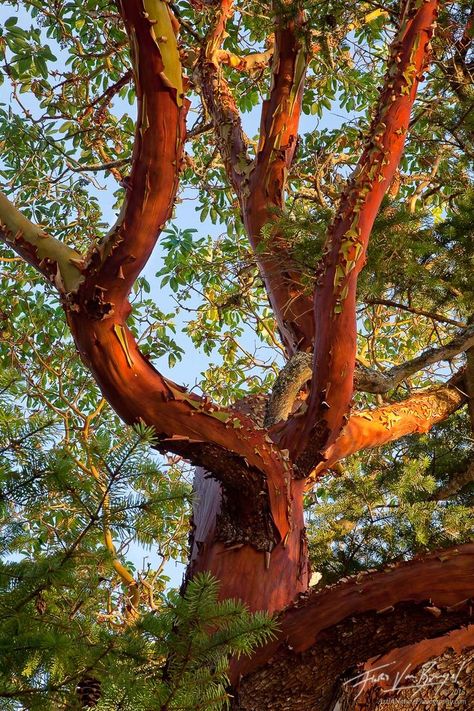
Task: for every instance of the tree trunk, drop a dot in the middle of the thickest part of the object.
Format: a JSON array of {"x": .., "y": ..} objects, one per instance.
[
  {"x": 264, "y": 579},
  {"x": 268, "y": 579}
]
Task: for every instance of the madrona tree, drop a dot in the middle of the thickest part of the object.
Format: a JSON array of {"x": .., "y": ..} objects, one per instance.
[{"x": 346, "y": 248}]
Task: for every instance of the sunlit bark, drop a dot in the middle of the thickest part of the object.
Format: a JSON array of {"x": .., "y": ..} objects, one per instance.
[
  {"x": 335, "y": 294},
  {"x": 327, "y": 632}
]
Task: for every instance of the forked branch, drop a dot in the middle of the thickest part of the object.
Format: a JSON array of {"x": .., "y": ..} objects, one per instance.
[
  {"x": 264, "y": 194},
  {"x": 95, "y": 291},
  {"x": 346, "y": 245}
]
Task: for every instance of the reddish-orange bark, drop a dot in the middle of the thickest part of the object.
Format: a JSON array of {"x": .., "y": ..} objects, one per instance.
[
  {"x": 373, "y": 428},
  {"x": 255, "y": 476},
  {"x": 291, "y": 304},
  {"x": 112, "y": 268},
  {"x": 335, "y": 294},
  {"x": 260, "y": 184},
  {"x": 356, "y": 617},
  {"x": 404, "y": 661},
  {"x": 266, "y": 580}
]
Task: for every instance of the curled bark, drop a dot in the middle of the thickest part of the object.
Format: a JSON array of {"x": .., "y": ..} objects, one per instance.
[{"x": 372, "y": 428}]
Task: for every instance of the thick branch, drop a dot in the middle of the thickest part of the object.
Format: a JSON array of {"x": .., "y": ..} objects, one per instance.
[
  {"x": 335, "y": 293},
  {"x": 225, "y": 443},
  {"x": 298, "y": 371},
  {"x": 54, "y": 259},
  {"x": 264, "y": 195},
  {"x": 260, "y": 184},
  {"x": 373, "y": 428},
  {"x": 327, "y": 632},
  {"x": 151, "y": 187}
]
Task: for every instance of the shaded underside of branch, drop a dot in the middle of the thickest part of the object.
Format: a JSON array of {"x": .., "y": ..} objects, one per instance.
[{"x": 327, "y": 632}]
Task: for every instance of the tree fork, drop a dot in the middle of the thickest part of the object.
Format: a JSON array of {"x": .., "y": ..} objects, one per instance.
[{"x": 346, "y": 244}]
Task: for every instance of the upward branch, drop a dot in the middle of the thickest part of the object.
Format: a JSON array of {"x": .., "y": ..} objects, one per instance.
[
  {"x": 54, "y": 259},
  {"x": 158, "y": 147},
  {"x": 260, "y": 184},
  {"x": 219, "y": 100},
  {"x": 346, "y": 244},
  {"x": 268, "y": 180}
]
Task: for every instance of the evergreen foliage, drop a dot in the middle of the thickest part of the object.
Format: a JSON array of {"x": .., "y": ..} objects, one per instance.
[{"x": 63, "y": 600}]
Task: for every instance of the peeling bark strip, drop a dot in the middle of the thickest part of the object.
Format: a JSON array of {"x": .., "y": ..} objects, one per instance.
[
  {"x": 327, "y": 632},
  {"x": 346, "y": 245},
  {"x": 151, "y": 187},
  {"x": 373, "y": 428}
]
